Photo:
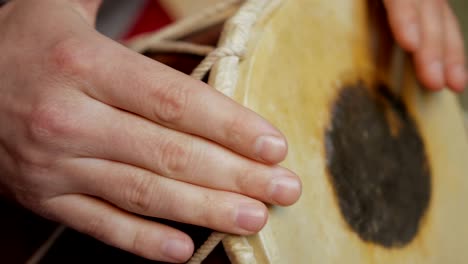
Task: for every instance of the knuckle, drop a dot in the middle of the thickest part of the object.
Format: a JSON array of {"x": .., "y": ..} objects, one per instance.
[
  {"x": 451, "y": 61},
  {"x": 32, "y": 161},
  {"x": 454, "y": 49},
  {"x": 141, "y": 194},
  {"x": 49, "y": 121},
  {"x": 213, "y": 212},
  {"x": 171, "y": 102},
  {"x": 234, "y": 130},
  {"x": 394, "y": 4},
  {"x": 139, "y": 242},
  {"x": 429, "y": 54},
  {"x": 29, "y": 196},
  {"x": 243, "y": 181},
  {"x": 96, "y": 227},
  {"x": 71, "y": 56},
  {"x": 141, "y": 245},
  {"x": 175, "y": 157},
  {"x": 39, "y": 206},
  {"x": 32, "y": 184}
]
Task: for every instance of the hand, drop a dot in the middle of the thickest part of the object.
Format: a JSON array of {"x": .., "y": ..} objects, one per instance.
[
  {"x": 430, "y": 31},
  {"x": 94, "y": 134}
]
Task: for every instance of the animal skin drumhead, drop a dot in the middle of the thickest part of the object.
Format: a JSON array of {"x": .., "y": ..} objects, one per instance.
[{"x": 384, "y": 168}]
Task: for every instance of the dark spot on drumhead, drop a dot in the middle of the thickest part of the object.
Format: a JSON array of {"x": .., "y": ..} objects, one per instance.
[{"x": 377, "y": 165}]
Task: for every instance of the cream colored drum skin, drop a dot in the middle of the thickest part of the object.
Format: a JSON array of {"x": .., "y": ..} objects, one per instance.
[{"x": 384, "y": 164}]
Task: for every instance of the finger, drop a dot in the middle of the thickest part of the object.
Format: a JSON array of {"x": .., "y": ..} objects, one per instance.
[
  {"x": 145, "y": 87},
  {"x": 404, "y": 21},
  {"x": 78, "y": 126},
  {"x": 455, "y": 69},
  {"x": 129, "y": 139},
  {"x": 429, "y": 57},
  {"x": 120, "y": 229},
  {"x": 146, "y": 193}
]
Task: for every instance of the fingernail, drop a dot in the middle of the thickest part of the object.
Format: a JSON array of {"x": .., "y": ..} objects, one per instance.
[
  {"x": 251, "y": 217},
  {"x": 412, "y": 35},
  {"x": 436, "y": 71},
  {"x": 271, "y": 149},
  {"x": 285, "y": 188},
  {"x": 177, "y": 249}
]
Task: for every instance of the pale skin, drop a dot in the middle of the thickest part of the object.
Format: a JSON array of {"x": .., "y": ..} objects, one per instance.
[{"x": 93, "y": 133}]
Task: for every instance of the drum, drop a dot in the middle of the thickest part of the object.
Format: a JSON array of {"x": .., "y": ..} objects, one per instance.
[{"x": 383, "y": 163}]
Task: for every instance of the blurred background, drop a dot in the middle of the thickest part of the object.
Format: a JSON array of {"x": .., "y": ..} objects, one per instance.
[
  {"x": 23, "y": 233},
  {"x": 118, "y": 21}
]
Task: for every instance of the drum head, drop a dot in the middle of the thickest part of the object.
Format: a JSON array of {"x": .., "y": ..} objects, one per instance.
[{"x": 383, "y": 164}]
